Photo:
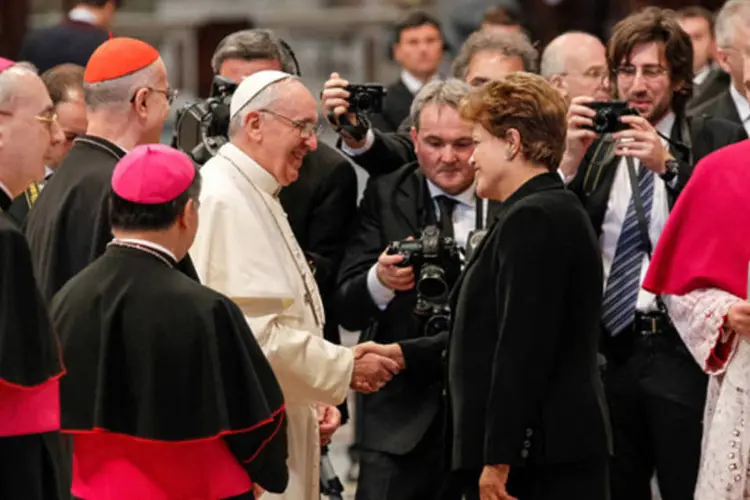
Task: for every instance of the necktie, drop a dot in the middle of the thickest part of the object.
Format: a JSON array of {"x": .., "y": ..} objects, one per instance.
[
  {"x": 623, "y": 285},
  {"x": 446, "y": 206}
]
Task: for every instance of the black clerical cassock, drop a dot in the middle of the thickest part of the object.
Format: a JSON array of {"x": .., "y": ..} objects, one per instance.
[
  {"x": 168, "y": 394},
  {"x": 30, "y": 369},
  {"x": 69, "y": 227}
]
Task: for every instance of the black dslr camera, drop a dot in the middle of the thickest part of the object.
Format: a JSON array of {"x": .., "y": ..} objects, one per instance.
[
  {"x": 437, "y": 263},
  {"x": 201, "y": 128},
  {"x": 366, "y": 98},
  {"x": 608, "y": 114}
]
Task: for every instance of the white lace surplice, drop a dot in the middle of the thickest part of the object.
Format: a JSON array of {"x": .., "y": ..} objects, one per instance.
[{"x": 725, "y": 468}]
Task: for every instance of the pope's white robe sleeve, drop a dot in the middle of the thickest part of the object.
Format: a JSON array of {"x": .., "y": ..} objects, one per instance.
[{"x": 250, "y": 267}]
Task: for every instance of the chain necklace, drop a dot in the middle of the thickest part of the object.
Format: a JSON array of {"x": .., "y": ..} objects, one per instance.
[
  {"x": 308, "y": 292},
  {"x": 143, "y": 248}
]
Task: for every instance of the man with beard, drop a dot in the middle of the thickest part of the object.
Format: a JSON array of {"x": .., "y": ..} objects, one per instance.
[
  {"x": 485, "y": 56},
  {"x": 31, "y": 465},
  {"x": 655, "y": 389},
  {"x": 127, "y": 97}
]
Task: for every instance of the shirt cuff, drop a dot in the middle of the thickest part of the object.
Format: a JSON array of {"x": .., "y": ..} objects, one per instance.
[
  {"x": 381, "y": 295},
  {"x": 369, "y": 141},
  {"x": 565, "y": 178}
]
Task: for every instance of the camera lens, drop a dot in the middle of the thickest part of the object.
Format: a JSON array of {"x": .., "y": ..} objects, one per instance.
[
  {"x": 364, "y": 102},
  {"x": 601, "y": 122},
  {"x": 431, "y": 284}
]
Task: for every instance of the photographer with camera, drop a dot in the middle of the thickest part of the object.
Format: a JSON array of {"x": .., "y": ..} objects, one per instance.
[
  {"x": 483, "y": 57},
  {"x": 655, "y": 389},
  {"x": 394, "y": 289}
]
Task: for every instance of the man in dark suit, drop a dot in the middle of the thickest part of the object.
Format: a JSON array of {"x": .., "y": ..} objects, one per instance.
[
  {"x": 698, "y": 22},
  {"x": 655, "y": 389},
  {"x": 401, "y": 441},
  {"x": 74, "y": 40},
  {"x": 732, "y": 34},
  {"x": 485, "y": 56},
  {"x": 322, "y": 202},
  {"x": 65, "y": 86},
  {"x": 418, "y": 49}
]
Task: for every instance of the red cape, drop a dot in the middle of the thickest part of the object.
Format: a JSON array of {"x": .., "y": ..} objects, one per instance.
[{"x": 706, "y": 243}]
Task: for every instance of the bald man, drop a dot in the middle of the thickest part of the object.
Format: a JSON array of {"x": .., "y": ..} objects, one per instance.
[{"x": 576, "y": 64}]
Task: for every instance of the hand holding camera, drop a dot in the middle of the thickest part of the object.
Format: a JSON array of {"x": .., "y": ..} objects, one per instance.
[
  {"x": 642, "y": 142},
  {"x": 392, "y": 274},
  {"x": 345, "y": 104}
]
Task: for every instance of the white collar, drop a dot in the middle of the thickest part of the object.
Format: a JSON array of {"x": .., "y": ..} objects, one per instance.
[
  {"x": 701, "y": 75},
  {"x": 5, "y": 189},
  {"x": 665, "y": 124},
  {"x": 148, "y": 244},
  {"x": 83, "y": 15},
  {"x": 467, "y": 197},
  {"x": 257, "y": 174},
  {"x": 414, "y": 84},
  {"x": 48, "y": 172},
  {"x": 740, "y": 102}
]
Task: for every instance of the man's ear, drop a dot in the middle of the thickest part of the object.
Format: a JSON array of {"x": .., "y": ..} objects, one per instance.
[
  {"x": 559, "y": 83},
  {"x": 722, "y": 59},
  {"x": 413, "y": 135}
]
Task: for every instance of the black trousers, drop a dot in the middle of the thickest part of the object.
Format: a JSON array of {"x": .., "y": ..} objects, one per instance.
[
  {"x": 416, "y": 475},
  {"x": 585, "y": 480},
  {"x": 656, "y": 394}
]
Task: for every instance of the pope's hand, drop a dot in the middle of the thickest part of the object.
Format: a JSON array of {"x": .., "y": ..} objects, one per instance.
[{"x": 329, "y": 420}]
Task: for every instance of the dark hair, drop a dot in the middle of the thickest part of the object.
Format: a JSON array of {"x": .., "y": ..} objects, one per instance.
[
  {"x": 414, "y": 19},
  {"x": 698, "y": 11},
  {"x": 502, "y": 16},
  {"x": 62, "y": 80},
  {"x": 100, "y": 3},
  {"x": 653, "y": 24},
  {"x": 527, "y": 103},
  {"x": 124, "y": 214}
]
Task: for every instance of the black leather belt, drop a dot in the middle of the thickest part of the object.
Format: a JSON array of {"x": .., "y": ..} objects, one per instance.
[{"x": 651, "y": 323}]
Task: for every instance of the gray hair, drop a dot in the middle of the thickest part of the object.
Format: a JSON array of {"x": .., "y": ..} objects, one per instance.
[
  {"x": 264, "y": 99},
  {"x": 118, "y": 92},
  {"x": 447, "y": 93},
  {"x": 508, "y": 44},
  {"x": 730, "y": 14},
  {"x": 9, "y": 81},
  {"x": 250, "y": 45}
]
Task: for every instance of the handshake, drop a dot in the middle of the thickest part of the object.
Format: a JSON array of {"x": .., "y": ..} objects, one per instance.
[{"x": 375, "y": 365}]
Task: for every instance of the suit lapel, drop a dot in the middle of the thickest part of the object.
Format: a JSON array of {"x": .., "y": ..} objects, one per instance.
[{"x": 407, "y": 204}]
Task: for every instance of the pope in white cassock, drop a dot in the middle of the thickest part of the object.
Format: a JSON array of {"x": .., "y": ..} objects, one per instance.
[{"x": 245, "y": 249}]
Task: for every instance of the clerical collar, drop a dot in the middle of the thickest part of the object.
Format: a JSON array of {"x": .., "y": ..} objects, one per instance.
[
  {"x": 83, "y": 15},
  {"x": 467, "y": 197},
  {"x": 103, "y": 144},
  {"x": 249, "y": 167},
  {"x": 158, "y": 251}
]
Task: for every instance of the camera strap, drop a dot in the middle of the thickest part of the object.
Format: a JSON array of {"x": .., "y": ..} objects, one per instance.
[{"x": 642, "y": 224}]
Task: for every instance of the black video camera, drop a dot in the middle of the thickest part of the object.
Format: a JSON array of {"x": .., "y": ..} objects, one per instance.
[
  {"x": 366, "y": 98},
  {"x": 201, "y": 128},
  {"x": 437, "y": 263},
  {"x": 608, "y": 114}
]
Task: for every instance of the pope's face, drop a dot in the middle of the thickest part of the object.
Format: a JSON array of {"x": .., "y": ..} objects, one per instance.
[{"x": 288, "y": 131}]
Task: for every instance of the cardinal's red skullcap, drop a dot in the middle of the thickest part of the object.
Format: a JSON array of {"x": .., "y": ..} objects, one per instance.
[
  {"x": 5, "y": 63},
  {"x": 118, "y": 57},
  {"x": 153, "y": 174}
]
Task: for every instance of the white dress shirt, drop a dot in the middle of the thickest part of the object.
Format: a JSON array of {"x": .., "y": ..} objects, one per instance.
[
  {"x": 414, "y": 84},
  {"x": 701, "y": 75},
  {"x": 82, "y": 15},
  {"x": 743, "y": 107},
  {"x": 614, "y": 217},
  {"x": 464, "y": 221}
]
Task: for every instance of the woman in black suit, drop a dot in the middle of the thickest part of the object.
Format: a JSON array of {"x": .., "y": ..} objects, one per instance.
[{"x": 528, "y": 409}]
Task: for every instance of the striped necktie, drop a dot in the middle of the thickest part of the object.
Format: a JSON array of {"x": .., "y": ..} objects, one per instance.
[{"x": 623, "y": 284}]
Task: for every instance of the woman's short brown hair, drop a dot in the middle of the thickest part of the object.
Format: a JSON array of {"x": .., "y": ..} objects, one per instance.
[
  {"x": 527, "y": 103},
  {"x": 653, "y": 24}
]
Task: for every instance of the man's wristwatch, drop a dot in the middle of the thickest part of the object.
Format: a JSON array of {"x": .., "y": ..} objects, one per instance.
[{"x": 672, "y": 168}]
